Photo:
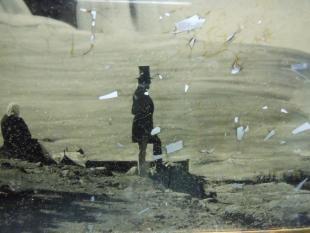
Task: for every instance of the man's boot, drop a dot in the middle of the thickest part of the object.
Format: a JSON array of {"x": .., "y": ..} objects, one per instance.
[{"x": 159, "y": 165}]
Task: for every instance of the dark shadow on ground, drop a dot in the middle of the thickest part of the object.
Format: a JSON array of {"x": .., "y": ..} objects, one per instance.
[
  {"x": 34, "y": 212},
  {"x": 178, "y": 179}
]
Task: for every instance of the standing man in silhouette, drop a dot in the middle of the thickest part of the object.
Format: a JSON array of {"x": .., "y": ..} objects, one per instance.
[{"x": 143, "y": 109}]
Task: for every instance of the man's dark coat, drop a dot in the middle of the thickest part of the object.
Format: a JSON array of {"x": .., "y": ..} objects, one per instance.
[{"x": 142, "y": 109}]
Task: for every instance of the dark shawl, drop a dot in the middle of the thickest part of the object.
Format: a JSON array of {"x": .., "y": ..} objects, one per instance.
[{"x": 15, "y": 132}]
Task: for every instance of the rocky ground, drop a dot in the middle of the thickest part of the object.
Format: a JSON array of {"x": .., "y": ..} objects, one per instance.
[{"x": 63, "y": 198}]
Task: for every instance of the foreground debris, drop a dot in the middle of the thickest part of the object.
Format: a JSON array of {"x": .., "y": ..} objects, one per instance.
[{"x": 61, "y": 198}]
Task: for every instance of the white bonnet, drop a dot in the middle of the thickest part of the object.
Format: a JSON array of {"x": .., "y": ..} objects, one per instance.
[{"x": 13, "y": 109}]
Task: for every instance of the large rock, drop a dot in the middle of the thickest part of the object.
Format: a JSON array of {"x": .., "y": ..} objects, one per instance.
[{"x": 70, "y": 158}]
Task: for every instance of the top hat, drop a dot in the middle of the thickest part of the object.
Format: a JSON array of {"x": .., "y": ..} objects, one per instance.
[{"x": 144, "y": 74}]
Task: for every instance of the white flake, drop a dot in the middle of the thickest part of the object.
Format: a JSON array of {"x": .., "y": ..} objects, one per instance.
[
  {"x": 186, "y": 88},
  {"x": 174, "y": 147},
  {"x": 108, "y": 96},
  {"x": 167, "y": 14},
  {"x": 189, "y": 24},
  {"x": 240, "y": 133},
  {"x": 284, "y": 110},
  {"x": 236, "y": 120},
  {"x": 235, "y": 70},
  {"x": 236, "y": 67},
  {"x": 270, "y": 134},
  {"x": 300, "y": 66},
  {"x": 230, "y": 37},
  {"x": 302, "y": 128},
  {"x": 265, "y": 107},
  {"x": 299, "y": 186},
  {"x": 93, "y": 14},
  {"x": 155, "y": 131}
]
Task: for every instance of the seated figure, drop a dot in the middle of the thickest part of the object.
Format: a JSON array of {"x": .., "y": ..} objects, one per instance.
[{"x": 17, "y": 140}]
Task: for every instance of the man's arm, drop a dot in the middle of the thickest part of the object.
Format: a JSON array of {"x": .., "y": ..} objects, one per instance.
[{"x": 142, "y": 104}]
